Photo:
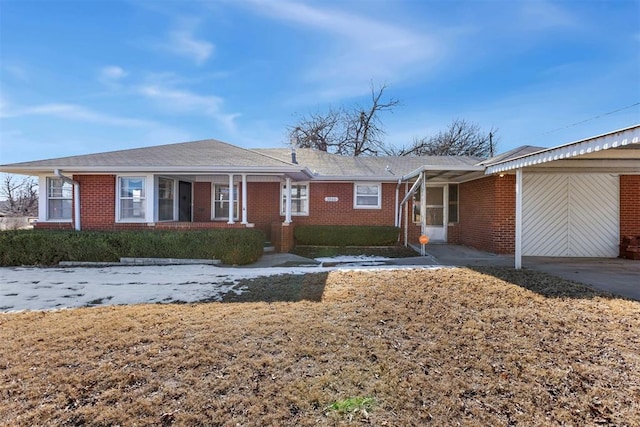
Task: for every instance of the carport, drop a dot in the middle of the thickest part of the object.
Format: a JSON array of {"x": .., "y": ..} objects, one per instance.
[{"x": 578, "y": 199}]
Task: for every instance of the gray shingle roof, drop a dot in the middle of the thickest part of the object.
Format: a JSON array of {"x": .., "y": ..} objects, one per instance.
[
  {"x": 206, "y": 153},
  {"x": 393, "y": 167}
]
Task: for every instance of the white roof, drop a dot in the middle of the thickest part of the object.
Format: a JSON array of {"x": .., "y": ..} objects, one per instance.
[{"x": 586, "y": 147}]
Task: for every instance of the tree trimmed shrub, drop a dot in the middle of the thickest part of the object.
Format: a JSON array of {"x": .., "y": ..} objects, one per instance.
[
  {"x": 346, "y": 235},
  {"x": 47, "y": 247}
]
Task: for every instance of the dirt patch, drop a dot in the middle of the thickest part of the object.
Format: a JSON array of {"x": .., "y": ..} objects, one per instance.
[{"x": 406, "y": 347}]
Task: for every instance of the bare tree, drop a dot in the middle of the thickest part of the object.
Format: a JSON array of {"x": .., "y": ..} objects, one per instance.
[
  {"x": 462, "y": 138},
  {"x": 21, "y": 196},
  {"x": 348, "y": 132}
]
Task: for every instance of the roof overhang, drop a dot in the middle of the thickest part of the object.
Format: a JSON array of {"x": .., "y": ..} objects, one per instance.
[
  {"x": 453, "y": 173},
  {"x": 590, "y": 153},
  {"x": 294, "y": 172}
]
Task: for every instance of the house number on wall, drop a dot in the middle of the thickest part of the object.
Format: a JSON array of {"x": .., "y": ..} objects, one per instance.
[{"x": 330, "y": 199}]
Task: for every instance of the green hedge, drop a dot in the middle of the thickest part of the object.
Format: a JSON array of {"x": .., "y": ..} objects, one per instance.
[
  {"x": 346, "y": 235},
  {"x": 44, "y": 247}
]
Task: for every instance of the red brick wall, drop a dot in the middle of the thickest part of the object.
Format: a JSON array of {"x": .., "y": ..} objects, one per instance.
[
  {"x": 263, "y": 205},
  {"x": 97, "y": 201},
  {"x": 629, "y": 205},
  {"x": 487, "y": 214},
  {"x": 342, "y": 212}
]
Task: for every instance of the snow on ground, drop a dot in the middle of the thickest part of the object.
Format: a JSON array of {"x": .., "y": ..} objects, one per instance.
[{"x": 33, "y": 288}]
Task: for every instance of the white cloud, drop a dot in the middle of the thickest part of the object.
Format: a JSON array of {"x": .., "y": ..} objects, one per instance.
[
  {"x": 112, "y": 72},
  {"x": 363, "y": 48},
  {"x": 182, "y": 42},
  {"x": 544, "y": 15},
  {"x": 72, "y": 112},
  {"x": 188, "y": 102}
]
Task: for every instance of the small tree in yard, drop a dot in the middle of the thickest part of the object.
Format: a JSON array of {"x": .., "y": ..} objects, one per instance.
[
  {"x": 21, "y": 196},
  {"x": 462, "y": 138}
]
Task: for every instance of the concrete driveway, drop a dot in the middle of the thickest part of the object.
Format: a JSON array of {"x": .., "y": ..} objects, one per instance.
[{"x": 615, "y": 275}]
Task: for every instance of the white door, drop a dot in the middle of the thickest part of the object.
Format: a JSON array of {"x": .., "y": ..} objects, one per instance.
[{"x": 570, "y": 215}]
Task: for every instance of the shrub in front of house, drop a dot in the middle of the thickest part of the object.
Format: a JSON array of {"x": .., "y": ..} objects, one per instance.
[
  {"x": 45, "y": 247},
  {"x": 346, "y": 235}
]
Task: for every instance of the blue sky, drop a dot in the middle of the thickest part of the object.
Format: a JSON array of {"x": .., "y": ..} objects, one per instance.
[{"x": 89, "y": 76}]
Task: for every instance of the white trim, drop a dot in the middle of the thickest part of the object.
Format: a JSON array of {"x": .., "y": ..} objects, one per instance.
[
  {"x": 43, "y": 210},
  {"x": 244, "y": 199},
  {"x": 156, "y": 214},
  {"x": 608, "y": 141},
  {"x": 367, "y": 184},
  {"x": 288, "y": 184},
  {"x": 213, "y": 202},
  {"x": 149, "y": 198}
]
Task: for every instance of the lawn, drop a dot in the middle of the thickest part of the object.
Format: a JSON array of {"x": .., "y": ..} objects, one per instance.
[{"x": 391, "y": 347}]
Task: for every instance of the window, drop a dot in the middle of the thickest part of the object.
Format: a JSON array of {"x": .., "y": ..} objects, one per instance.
[
  {"x": 299, "y": 199},
  {"x": 166, "y": 199},
  {"x": 367, "y": 196},
  {"x": 453, "y": 202},
  {"x": 221, "y": 202},
  {"x": 132, "y": 198},
  {"x": 59, "y": 203}
]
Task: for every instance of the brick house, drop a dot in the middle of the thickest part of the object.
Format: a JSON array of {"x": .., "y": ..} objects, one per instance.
[{"x": 578, "y": 199}]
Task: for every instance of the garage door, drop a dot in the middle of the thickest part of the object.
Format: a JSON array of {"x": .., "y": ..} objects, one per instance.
[{"x": 572, "y": 215}]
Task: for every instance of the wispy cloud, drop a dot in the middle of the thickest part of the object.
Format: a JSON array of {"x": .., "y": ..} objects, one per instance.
[
  {"x": 72, "y": 112},
  {"x": 112, "y": 72},
  {"x": 362, "y": 48},
  {"x": 111, "y": 75},
  {"x": 544, "y": 15},
  {"x": 186, "y": 102},
  {"x": 182, "y": 41}
]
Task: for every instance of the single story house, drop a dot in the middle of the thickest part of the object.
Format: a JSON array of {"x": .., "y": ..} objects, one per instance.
[{"x": 577, "y": 199}]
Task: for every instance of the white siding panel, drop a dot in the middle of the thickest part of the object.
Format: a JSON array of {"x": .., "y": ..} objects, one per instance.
[
  {"x": 573, "y": 215},
  {"x": 594, "y": 216},
  {"x": 545, "y": 215}
]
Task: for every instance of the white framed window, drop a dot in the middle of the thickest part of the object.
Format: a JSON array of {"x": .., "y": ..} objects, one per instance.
[
  {"x": 220, "y": 198},
  {"x": 299, "y": 199},
  {"x": 131, "y": 198},
  {"x": 367, "y": 196},
  {"x": 59, "y": 200},
  {"x": 166, "y": 199}
]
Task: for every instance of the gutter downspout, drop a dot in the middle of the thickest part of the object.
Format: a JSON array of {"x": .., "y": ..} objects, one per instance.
[{"x": 76, "y": 197}]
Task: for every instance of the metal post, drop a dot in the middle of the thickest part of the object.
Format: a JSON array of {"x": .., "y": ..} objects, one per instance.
[{"x": 518, "y": 248}]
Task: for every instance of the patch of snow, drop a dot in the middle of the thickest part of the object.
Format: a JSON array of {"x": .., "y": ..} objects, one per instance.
[{"x": 33, "y": 288}]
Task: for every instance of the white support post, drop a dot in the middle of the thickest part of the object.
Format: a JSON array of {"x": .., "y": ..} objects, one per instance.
[
  {"x": 76, "y": 205},
  {"x": 518, "y": 248},
  {"x": 231, "y": 200},
  {"x": 287, "y": 205},
  {"x": 423, "y": 210},
  {"x": 244, "y": 199}
]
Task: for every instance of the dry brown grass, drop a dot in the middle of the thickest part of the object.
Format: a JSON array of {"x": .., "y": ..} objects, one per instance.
[{"x": 491, "y": 347}]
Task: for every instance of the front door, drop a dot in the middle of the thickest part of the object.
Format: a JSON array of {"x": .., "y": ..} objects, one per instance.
[
  {"x": 436, "y": 226},
  {"x": 184, "y": 205}
]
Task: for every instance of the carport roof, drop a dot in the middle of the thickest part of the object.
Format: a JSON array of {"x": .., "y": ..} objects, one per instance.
[{"x": 625, "y": 142}]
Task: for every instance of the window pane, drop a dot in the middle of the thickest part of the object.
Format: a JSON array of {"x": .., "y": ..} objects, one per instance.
[
  {"x": 299, "y": 202},
  {"x": 165, "y": 209},
  {"x": 435, "y": 216},
  {"x": 59, "y": 189},
  {"x": 367, "y": 200},
  {"x": 131, "y": 209},
  {"x": 435, "y": 196},
  {"x": 367, "y": 189},
  {"x": 453, "y": 202},
  {"x": 59, "y": 209},
  {"x": 132, "y": 187}
]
